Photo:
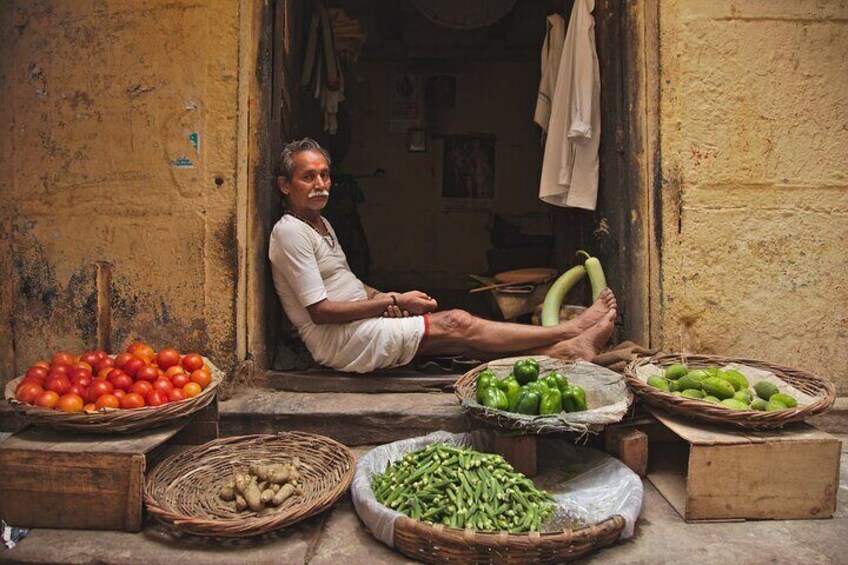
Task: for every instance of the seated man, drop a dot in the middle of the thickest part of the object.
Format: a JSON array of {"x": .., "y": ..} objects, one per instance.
[{"x": 350, "y": 326}]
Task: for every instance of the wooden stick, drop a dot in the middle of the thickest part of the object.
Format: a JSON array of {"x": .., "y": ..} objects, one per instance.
[{"x": 534, "y": 280}]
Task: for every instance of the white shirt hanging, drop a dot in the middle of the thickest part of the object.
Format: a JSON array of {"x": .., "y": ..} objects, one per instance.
[
  {"x": 570, "y": 165},
  {"x": 551, "y": 56}
]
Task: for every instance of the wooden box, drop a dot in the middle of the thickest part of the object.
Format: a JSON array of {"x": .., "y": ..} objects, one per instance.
[
  {"x": 51, "y": 479},
  {"x": 712, "y": 473}
]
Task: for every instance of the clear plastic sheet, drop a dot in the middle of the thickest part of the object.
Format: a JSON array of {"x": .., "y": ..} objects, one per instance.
[{"x": 597, "y": 487}]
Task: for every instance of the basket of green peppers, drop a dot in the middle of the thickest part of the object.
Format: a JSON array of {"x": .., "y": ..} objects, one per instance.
[{"x": 529, "y": 391}]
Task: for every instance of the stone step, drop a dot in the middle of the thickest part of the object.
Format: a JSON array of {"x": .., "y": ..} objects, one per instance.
[{"x": 351, "y": 418}]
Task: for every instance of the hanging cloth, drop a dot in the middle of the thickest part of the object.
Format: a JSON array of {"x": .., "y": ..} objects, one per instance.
[
  {"x": 321, "y": 70},
  {"x": 570, "y": 164},
  {"x": 551, "y": 56}
]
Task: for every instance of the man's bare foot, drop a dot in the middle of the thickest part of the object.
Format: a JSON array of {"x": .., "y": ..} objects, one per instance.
[
  {"x": 588, "y": 344},
  {"x": 596, "y": 312}
]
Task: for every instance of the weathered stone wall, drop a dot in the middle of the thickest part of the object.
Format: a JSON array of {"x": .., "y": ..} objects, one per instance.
[
  {"x": 117, "y": 169},
  {"x": 754, "y": 138}
]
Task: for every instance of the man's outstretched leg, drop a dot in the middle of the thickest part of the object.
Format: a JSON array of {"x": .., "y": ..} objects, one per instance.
[{"x": 457, "y": 331}]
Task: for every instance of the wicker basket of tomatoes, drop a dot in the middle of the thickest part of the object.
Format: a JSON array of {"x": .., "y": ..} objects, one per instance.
[{"x": 96, "y": 392}]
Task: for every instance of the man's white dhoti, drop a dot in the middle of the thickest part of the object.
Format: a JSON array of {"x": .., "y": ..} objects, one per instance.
[{"x": 308, "y": 268}]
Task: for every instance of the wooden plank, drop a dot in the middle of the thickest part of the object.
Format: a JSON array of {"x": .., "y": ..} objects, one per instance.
[
  {"x": 630, "y": 446},
  {"x": 331, "y": 381},
  {"x": 518, "y": 450},
  {"x": 38, "y": 439},
  {"x": 773, "y": 480}
]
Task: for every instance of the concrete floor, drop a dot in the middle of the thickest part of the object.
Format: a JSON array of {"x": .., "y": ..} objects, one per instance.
[{"x": 339, "y": 537}]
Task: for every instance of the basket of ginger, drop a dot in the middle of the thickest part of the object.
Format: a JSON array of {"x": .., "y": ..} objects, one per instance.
[{"x": 248, "y": 485}]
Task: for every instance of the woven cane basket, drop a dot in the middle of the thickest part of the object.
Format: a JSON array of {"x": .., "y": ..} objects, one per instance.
[
  {"x": 612, "y": 392},
  {"x": 183, "y": 490},
  {"x": 111, "y": 420},
  {"x": 820, "y": 390},
  {"x": 441, "y": 544}
]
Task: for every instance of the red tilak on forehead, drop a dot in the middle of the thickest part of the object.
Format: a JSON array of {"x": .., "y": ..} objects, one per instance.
[{"x": 316, "y": 164}]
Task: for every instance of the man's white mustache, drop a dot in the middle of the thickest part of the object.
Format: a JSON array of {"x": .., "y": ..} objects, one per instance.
[{"x": 319, "y": 194}]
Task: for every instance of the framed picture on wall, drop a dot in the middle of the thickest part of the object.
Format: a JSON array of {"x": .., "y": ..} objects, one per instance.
[
  {"x": 416, "y": 140},
  {"x": 468, "y": 171}
]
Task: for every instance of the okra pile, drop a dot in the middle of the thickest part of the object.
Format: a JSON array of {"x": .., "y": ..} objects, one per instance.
[{"x": 462, "y": 488}]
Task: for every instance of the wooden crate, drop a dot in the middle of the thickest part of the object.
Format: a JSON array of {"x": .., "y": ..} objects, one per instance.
[
  {"x": 712, "y": 473},
  {"x": 92, "y": 482}
]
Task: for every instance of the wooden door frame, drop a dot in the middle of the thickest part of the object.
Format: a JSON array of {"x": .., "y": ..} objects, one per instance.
[{"x": 263, "y": 64}]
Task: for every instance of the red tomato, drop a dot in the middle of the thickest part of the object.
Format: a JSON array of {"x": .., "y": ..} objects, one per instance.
[
  {"x": 90, "y": 357},
  {"x": 162, "y": 384},
  {"x": 98, "y": 388},
  {"x": 168, "y": 357},
  {"x": 119, "y": 394},
  {"x": 122, "y": 358},
  {"x": 103, "y": 373},
  {"x": 36, "y": 371},
  {"x": 47, "y": 399},
  {"x": 107, "y": 401},
  {"x": 192, "y": 362},
  {"x": 122, "y": 381},
  {"x": 132, "y": 400},
  {"x": 88, "y": 407},
  {"x": 132, "y": 366},
  {"x": 60, "y": 368},
  {"x": 29, "y": 392},
  {"x": 201, "y": 377},
  {"x": 42, "y": 363},
  {"x": 141, "y": 387},
  {"x": 103, "y": 363},
  {"x": 192, "y": 389},
  {"x": 114, "y": 373},
  {"x": 146, "y": 352},
  {"x": 77, "y": 389},
  {"x": 156, "y": 398},
  {"x": 84, "y": 382},
  {"x": 134, "y": 346},
  {"x": 175, "y": 370},
  {"x": 180, "y": 380},
  {"x": 176, "y": 394},
  {"x": 62, "y": 358},
  {"x": 147, "y": 373},
  {"x": 79, "y": 372},
  {"x": 70, "y": 403},
  {"x": 32, "y": 381},
  {"x": 58, "y": 383}
]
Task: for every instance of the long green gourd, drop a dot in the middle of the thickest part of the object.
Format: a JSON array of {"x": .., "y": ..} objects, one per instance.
[
  {"x": 557, "y": 292},
  {"x": 597, "y": 279}
]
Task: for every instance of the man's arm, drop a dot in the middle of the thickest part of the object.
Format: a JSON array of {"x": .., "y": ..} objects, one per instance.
[{"x": 333, "y": 312}]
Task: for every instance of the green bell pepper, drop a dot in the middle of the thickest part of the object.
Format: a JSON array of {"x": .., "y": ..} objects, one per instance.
[
  {"x": 485, "y": 380},
  {"x": 574, "y": 399},
  {"x": 493, "y": 397},
  {"x": 538, "y": 386},
  {"x": 526, "y": 370},
  {"x": 559, "y": 378},
  {"x": 510, "y": 386},
  {"x": 549, "y": 380},
  {"x": 551, "y": 402},
  {"x": 527, "y": 402}
]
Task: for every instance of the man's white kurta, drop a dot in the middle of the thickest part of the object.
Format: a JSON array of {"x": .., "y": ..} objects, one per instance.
[
  {"x": 570, "y": 165},
  {"x": 306, "y": 270}
]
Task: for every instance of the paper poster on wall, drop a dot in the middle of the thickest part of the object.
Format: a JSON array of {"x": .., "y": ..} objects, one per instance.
[
  {"x": 406, "y": 104},
  {"x": 468, "y": 172}
]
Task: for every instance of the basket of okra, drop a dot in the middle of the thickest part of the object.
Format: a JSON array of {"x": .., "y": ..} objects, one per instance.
[{"x": 445, "y": 503}]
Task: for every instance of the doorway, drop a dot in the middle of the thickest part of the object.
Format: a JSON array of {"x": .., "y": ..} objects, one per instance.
[{"x": 419, "y": 98}]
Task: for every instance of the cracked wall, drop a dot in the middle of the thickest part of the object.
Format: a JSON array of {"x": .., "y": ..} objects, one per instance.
[
  {"x": 754, "y": 128},
  {"x": 118, "y": 118}
]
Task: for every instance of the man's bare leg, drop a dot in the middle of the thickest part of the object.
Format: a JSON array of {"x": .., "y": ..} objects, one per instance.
[
  {"x": 457, "y": 331},
  {"x": 595, "y": 313}
]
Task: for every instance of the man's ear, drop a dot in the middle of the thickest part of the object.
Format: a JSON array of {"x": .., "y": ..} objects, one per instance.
[{"x": 283, "y": 185}]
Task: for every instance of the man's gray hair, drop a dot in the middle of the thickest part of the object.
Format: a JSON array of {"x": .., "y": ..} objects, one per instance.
[{"x": 285, "y": 166}]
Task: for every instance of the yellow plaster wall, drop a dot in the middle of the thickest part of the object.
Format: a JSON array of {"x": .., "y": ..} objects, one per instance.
[
  {"x": 99, "y": 101},
  {"x": 754, "y": 138}
]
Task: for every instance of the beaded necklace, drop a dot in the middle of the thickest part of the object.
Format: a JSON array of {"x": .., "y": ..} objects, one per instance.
[{"x": 328, "y": 238}]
